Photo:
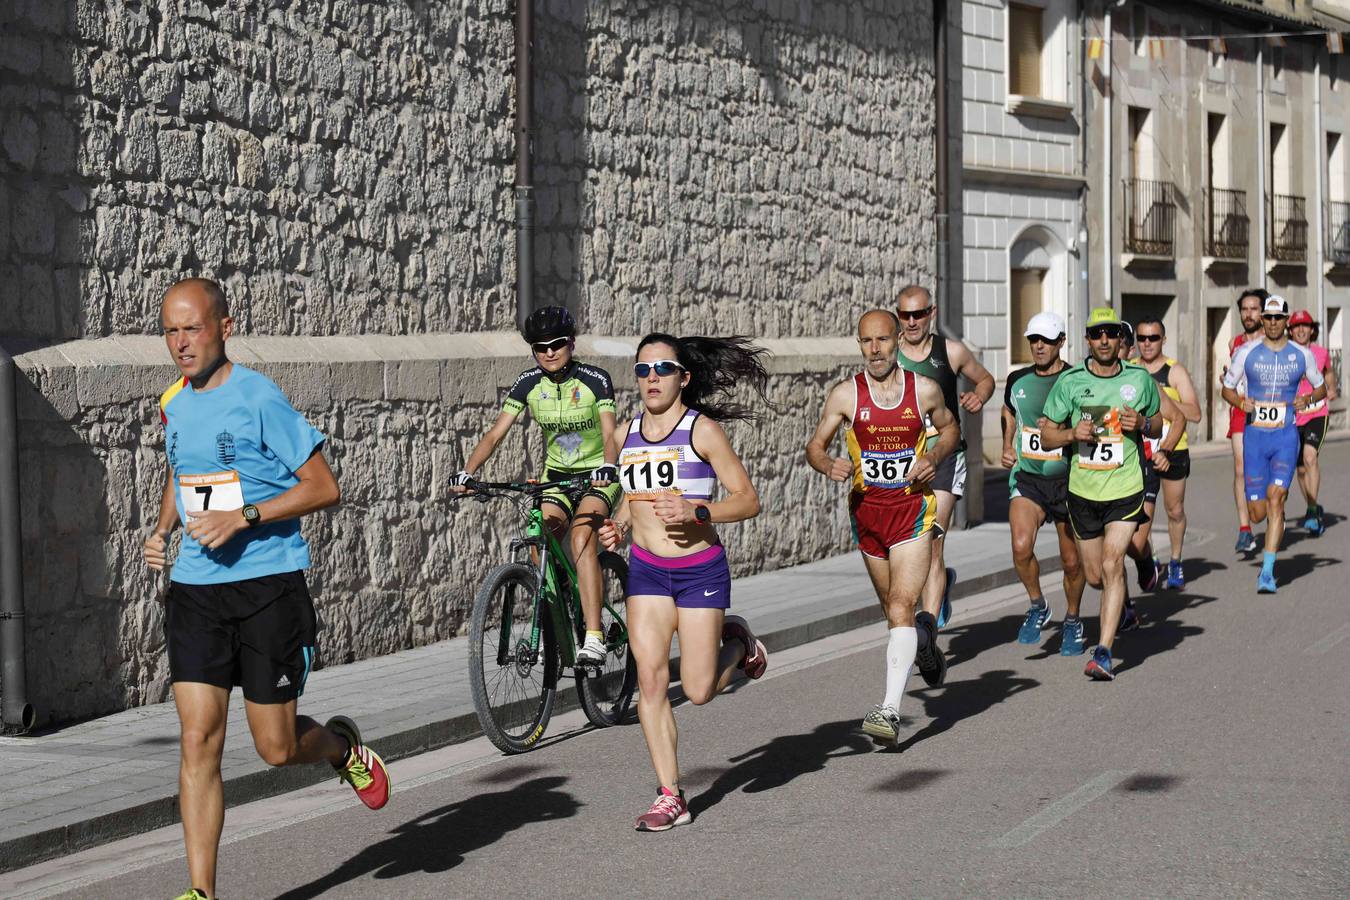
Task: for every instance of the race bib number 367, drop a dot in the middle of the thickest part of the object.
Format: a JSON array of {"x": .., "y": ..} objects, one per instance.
[
  {"x": 213, "y": 490},
  {"x": 888, "y": 469}
]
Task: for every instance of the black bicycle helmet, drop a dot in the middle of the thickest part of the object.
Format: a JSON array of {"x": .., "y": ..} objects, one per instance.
[{"x": 549, "y": 322}]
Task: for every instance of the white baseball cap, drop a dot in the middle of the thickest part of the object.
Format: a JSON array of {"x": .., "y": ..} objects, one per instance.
[
  {"x": 1046, "y": 324},
  {"x": 1275, "y": 306}
]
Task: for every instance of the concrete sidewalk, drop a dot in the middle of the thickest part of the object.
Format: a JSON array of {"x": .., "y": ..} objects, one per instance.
[{"x": 111, "y": 777}]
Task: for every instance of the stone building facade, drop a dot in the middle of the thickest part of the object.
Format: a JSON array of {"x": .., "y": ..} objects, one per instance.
[{"x": 345, "y": 170}]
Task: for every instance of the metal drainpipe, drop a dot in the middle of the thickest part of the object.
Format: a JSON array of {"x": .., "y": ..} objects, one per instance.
[
  {"x": 16, "y": 713},
  {"x": 1262, "y": 202},
  {"x": 524, "y": 186},
  {"x": 1320, "y": 190},
  {"x": 1108, "y": 189}
]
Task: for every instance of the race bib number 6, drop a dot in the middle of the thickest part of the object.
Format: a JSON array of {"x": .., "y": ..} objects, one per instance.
[
  {"x": 1270, "y": 415},
  {"x": 644, "y": 474},
  {"x": 887, "y": 469},
  {"x": 1032, "y": 447},
  {"x": 214, "y": 490},
  {"x": 1107, "y": 453}
]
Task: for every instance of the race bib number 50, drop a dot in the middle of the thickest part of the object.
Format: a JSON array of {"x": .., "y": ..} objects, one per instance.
[
  {"x": 888, "y": 469},
  {"x": 214, "y": 490},
  {"x": 1270, "y": 415},
  {"x": 1107, "y": 453}
]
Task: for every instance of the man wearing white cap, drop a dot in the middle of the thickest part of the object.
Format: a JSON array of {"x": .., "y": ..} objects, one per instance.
[
  {"x": 1273, "y": 368},
  {"x": 1039, "y": 484}
]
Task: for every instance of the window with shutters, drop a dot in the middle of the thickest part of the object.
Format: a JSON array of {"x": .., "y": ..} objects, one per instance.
[
  {"x": 1025, "y": 46},
  {"x": 1026, "y": 301}
]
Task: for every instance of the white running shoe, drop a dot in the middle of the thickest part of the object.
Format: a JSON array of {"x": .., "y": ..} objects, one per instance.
[{"x": 592, "y": 652}]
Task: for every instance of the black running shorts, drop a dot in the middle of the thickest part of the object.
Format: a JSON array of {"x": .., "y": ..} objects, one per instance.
[
  {"x": 1089, "y": 518},
  {"x": 1050, "y": 494},
  {"x": 1179, "y": 466},
  {"x": 1311, "y": 434},
  {"x": 259, "y": 633}
]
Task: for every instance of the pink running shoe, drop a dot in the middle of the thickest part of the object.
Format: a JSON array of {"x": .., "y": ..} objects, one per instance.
[
  {"x": 668, "y": 811},
  {"x": 756, "y": 656}
]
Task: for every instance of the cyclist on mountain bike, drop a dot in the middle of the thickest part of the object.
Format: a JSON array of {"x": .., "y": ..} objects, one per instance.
[{"x": 574, "y": 405}]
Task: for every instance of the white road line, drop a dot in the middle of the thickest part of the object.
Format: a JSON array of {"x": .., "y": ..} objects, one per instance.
[
  {"x": 99, "y": 864},
  {"x": 1060, "y": 810},
  {"x": 1330, "y": 640}
]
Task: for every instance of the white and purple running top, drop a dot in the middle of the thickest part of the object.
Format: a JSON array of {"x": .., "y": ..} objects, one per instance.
[{"x": 670, "y": 465}]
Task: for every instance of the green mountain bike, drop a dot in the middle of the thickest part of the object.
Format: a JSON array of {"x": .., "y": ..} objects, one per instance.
[{"x": 527, "y": 626}]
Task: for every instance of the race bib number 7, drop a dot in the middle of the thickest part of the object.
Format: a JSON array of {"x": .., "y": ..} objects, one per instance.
[
  {"x": 1270, "y": 415},
  {"x": 1108, "y": 453},
  {"x": 214, "y": 490},
  {"x": 643, "y": 475},
  {"x": 888, "y": 469}
]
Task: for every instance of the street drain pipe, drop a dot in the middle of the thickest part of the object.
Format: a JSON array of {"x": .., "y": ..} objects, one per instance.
[
  {"x": 524, "y": 186},
  {"x": 16, "y": 713}
]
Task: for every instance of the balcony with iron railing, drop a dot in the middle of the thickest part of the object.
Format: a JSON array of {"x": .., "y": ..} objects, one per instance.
[
  {"x": 1338, "y": 233},
  {"x": 1227, "y": 234},
  {"x": 1287, "y": 240},
  {"x": 1150, "y": 218}
]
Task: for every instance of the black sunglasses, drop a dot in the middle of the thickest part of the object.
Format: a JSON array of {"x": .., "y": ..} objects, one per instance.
[
  {"x": 1274, "y": 317},
  {"x": 1041, "y": 339},
  {"x": 911, "y": 315},
  {"x": 1097, "y": 331},
  {"x": 663, "y": 368},
  {"x": 1148, "y": 338},
  {"x": 546, "y": 346}
]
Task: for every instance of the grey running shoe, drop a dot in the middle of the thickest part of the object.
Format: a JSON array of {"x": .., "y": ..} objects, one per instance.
[
  {"x": 592, "y": 652},
  {"x": 932, "y": 664},
  {"x": 882, "y": 724}
]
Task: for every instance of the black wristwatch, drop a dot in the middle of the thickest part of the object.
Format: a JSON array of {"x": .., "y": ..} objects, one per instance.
[
  {"x": 702, "y": 515},
  {"x": 251, "y": 514}
]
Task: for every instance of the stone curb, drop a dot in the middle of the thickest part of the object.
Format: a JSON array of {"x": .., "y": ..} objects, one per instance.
[{"x": 162, "y": 811}]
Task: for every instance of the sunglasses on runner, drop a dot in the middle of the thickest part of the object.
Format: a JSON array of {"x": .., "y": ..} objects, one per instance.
[
  {"x": 1148, "y": 338},
  {"x": 1041, "y": 339},
  {"x": 911, "y": 315},
  {"x": 1098, "y": 331},
  {"x": 663, "y": 368},
  {"x": 546, "y": 346},
  {"x": 1273, "y": 317}
]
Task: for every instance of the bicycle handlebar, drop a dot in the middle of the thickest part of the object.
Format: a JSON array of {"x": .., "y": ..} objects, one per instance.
[{"x": 485, "y": 489}]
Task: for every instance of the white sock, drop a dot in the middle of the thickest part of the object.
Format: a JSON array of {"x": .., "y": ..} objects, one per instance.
[{"x": 904, "y": 643}]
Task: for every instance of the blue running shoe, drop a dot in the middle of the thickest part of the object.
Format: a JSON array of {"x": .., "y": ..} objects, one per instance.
[
  {"x": 1037, "y": 617},
  {"x": 1099, "y": 666},
  {"x": 1071, "y": 638},
  {"x": 1246, "y": 542},
  {"x": 1176, "y": 578},
  {"x": 1265, "y": 583},
  {"x": 945, "y": 610},
  {"x": 1129, "y": 619}
]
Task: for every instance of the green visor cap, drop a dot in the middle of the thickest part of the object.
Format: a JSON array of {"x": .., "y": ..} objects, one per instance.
[{"x": 1103, "y": 315}]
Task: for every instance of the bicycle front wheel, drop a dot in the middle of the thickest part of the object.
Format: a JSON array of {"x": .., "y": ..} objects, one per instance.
[
  {"x": 607, "y": 692},
  {"x": 513, "y": 686}
]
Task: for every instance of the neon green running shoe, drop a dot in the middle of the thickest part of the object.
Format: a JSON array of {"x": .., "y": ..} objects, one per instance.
[{"x": 193, "y": 894}]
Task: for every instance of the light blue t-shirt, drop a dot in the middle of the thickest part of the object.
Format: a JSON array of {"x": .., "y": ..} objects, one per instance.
[{"x": 241, "y": 442}]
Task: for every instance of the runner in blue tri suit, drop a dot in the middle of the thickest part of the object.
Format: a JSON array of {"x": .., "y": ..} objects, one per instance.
[{"x": 1273, "y": 368}]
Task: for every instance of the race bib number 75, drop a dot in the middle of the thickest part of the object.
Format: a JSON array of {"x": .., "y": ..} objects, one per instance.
[
  {"x": 1107, "y": 453},
  {"x": 214, "y": 490}
]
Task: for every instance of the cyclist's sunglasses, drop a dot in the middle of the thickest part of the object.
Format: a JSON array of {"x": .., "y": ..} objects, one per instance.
[
  {"x": 546, "y": 346},
  {"x": 1273, "y": 317},
  {"x": 911, "y": 315},
  {"x": 1148, "y": 338},
  {"x": 1097, "y": 331},
  {"x": 663, "y": 368},
  {"x": 1041, "y": 339}
]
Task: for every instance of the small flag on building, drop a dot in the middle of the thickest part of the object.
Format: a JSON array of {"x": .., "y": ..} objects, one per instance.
[
  {"x": 1156, "y": 48},
  {"x": 1335, "y": 42},
  {"x": 1277, "y": 40},
  {"x": 1095, "y": 47},
  {"x": 1218, "y": 45}
]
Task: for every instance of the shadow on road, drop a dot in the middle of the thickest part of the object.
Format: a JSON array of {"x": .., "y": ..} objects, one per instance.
[
  {"x": 438, "y": 841},
  {"x": 965, "y": 642},
  {"x": 959, "y": 700},
  {"x": 782, "y": 759},
  {"x": 1158, "y": 632},
  {"x": 1294, "y": 533}
]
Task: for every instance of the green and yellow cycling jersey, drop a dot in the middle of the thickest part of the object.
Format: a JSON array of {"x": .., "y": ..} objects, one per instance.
[{"x": 567, "y": 407}]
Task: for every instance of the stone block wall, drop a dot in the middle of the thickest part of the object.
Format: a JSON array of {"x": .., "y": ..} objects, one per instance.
[{"x": 397, "y": 563}]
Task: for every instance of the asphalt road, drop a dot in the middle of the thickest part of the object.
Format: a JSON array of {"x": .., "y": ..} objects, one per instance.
[{"x": 1215, "y": 765}]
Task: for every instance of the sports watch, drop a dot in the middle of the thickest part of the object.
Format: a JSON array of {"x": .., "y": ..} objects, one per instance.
[
  {"x": 702, "y": 515},
  {"x": 251, "y": 514}
]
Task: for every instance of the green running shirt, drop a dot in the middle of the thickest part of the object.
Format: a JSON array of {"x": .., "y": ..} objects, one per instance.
[
  {"x": 568, "y": 411},
  {"x": 1024, "y": 396},
  {"x": 1110, "y": 469}
]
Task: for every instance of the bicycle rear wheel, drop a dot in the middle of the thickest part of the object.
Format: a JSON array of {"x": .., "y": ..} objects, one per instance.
[
  {"x": 607, "y": 692},
  {"x": 512, "y": 690}
]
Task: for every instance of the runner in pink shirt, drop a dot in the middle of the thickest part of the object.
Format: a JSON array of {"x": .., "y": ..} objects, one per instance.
[{"x": 1312, "y": 422}]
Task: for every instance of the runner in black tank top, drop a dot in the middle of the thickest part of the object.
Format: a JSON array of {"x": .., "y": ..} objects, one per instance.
[{"x": 945, "y": 361}]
